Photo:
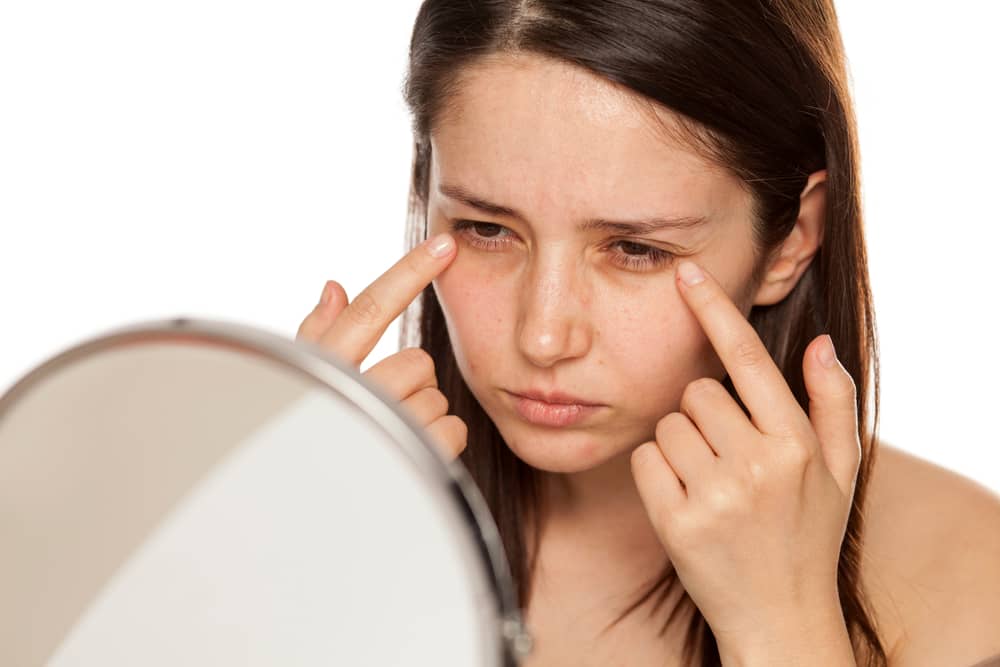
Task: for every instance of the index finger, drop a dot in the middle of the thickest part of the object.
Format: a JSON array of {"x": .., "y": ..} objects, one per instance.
[
  {"x": 358, "y": 328},
  {"x": 758, "y": 380}
]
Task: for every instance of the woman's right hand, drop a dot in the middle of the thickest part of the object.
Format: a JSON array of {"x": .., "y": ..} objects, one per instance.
[{"x": 351, "y": 331}]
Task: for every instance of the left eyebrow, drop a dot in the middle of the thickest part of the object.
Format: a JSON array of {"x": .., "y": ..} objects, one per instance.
[{"x": 631, "y": 227}]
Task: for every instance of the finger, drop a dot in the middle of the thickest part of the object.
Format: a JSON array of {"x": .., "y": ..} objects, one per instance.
[
  {"x": 358, "y": 328},
  {"x": 757, "y": 379},
  {"x": 427, "y": 405},
  {"x": 717, "y": 417},
  {"x": 322, "y": 316},
  {"x": 404, "y": 373},
  {"x": 685, "y": 449},
  {"x": 833, "y": 412},
  {"x": 659, "y": 487},
  {"x": 450, "y": 434}
]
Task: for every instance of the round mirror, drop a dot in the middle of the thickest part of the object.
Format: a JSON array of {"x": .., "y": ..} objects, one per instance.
[{"x": 198, "y": 492}]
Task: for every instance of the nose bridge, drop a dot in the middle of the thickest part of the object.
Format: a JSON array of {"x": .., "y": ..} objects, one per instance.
[{"x": 553, "y": 322}]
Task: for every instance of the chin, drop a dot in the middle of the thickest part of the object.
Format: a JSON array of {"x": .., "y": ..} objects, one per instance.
[{"x": 555, "y": 450}]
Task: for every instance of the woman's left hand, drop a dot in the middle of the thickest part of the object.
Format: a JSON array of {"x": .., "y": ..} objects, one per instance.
[{"x": 752, "y": 514}]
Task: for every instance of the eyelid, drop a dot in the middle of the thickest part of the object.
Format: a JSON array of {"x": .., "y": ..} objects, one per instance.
[
  {"x": 460, "y": 224},
  {"x": 655, "y": 259}
]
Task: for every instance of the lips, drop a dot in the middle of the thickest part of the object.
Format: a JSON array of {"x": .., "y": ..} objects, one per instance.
[
  {"x": 555, "y": 414},
  {"x": 555, "y": 398}
]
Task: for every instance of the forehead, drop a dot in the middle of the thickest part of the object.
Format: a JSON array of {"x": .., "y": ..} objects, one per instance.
[{"x": 536, "y": 132}]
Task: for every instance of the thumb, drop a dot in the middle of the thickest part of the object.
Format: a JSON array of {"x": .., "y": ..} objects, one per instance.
[{"x": 833, "y": 411}]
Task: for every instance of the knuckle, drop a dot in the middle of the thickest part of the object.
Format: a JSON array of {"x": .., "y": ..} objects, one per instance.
[
  {"x": 788, "y": 433},
  {"x": 419, "y": 360},
  {"x": 672, "y": 423},
  {"x": 700, "y": 387},
  {"x": 440, "y": 433},
  {"x": 427, "y": 405},
  {"x": 438, "y": 401},
  {"x": 364, "y": 310},
  {"x": 757, "y": 474},
  {"x": 748, "y": 354},
  {"x": 638, "y": 459},
  {"x": 413, "y": 264},
  {"x": 724, "y": 498},
  {"x": 452, "y": 433},
  {"x": 795, "y": 455},
  {"x": 458, "y": 426}
]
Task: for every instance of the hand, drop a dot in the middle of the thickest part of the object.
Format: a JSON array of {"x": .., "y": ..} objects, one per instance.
[
  {"x": 752, "y": 514},
  {"x": 351, "y": 331}
]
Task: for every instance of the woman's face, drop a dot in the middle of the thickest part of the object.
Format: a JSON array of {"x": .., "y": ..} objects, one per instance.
[{"x": 534, "y": 301}]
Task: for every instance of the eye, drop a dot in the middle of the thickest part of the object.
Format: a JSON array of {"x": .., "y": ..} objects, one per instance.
[
  {"x": 484, "y": 235},
  {"x": 636, "y": 256},
  {"x": 641, "y": 257}
]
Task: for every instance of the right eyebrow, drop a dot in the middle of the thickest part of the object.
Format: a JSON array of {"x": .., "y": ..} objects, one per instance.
[{"x": 629, "y": 227}]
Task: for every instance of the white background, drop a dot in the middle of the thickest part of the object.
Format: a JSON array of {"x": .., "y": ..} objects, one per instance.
[{"x": 221, "y": 159}]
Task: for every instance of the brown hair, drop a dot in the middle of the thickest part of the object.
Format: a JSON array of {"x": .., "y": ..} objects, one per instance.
[{"x": 760, "y": 88}]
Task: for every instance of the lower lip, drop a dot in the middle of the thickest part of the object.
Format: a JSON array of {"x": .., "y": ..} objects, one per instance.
[{"x": 551, "y": 414}]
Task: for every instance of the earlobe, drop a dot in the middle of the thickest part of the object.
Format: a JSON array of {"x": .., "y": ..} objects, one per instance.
[{"x": 792, "y": 258}]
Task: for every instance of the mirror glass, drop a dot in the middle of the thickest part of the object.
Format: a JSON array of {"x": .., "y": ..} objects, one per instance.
[{"x": 200, "y": 493}]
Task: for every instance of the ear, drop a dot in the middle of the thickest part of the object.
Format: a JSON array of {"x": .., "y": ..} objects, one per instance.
[{"x": 792, "y": 259}]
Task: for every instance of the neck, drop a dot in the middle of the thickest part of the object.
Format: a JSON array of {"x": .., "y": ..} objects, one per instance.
[
  {"x": 596, "y": 536},
  {"x": 601, "y": 505}
]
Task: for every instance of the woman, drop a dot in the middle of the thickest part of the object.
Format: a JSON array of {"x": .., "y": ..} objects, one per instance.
[{"x": 648, "y": 313}]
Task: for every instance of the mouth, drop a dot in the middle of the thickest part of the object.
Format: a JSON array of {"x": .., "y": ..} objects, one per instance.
[
  {"x": 554, "y": 398},
  {"x": 554, "y": 414}
]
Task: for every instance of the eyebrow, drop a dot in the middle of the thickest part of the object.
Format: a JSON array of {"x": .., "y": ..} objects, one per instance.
[{"x": 645, "y": 226}]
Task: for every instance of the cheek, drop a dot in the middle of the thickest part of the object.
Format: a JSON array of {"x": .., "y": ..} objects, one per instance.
[
  {"x": 476, "y": 311},
  {"x": 658, "y": 347},
  {"x": 654, "y": 331}
]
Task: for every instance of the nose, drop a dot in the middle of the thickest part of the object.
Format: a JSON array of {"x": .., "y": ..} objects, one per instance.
[{"x": 552, "y": 320}]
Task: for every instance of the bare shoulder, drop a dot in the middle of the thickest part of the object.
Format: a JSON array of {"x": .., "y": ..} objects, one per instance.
[{"x": 932, "y": 562}]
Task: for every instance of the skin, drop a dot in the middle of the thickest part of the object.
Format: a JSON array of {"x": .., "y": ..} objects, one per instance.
[{"x": 552, "y": 309}]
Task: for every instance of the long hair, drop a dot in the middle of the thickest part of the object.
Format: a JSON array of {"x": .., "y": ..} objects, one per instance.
[{"x": 761, "y": 89}]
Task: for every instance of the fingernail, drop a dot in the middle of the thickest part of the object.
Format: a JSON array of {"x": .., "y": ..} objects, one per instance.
[
  {"x": 325, "y": 297},
  {"x": 827, "y": 354},
  {"x": 690, "y": 273},
  {"x": 440, "y": 245}
]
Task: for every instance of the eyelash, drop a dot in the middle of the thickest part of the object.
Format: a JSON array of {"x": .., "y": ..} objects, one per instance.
[{"x": 654, "y": 258}]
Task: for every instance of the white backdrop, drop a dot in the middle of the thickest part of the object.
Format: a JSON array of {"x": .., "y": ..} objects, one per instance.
[{"x": 222, "y": 159}]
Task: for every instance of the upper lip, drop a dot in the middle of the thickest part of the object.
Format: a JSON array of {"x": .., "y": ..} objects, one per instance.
[{"x": 554, "y": 397}]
